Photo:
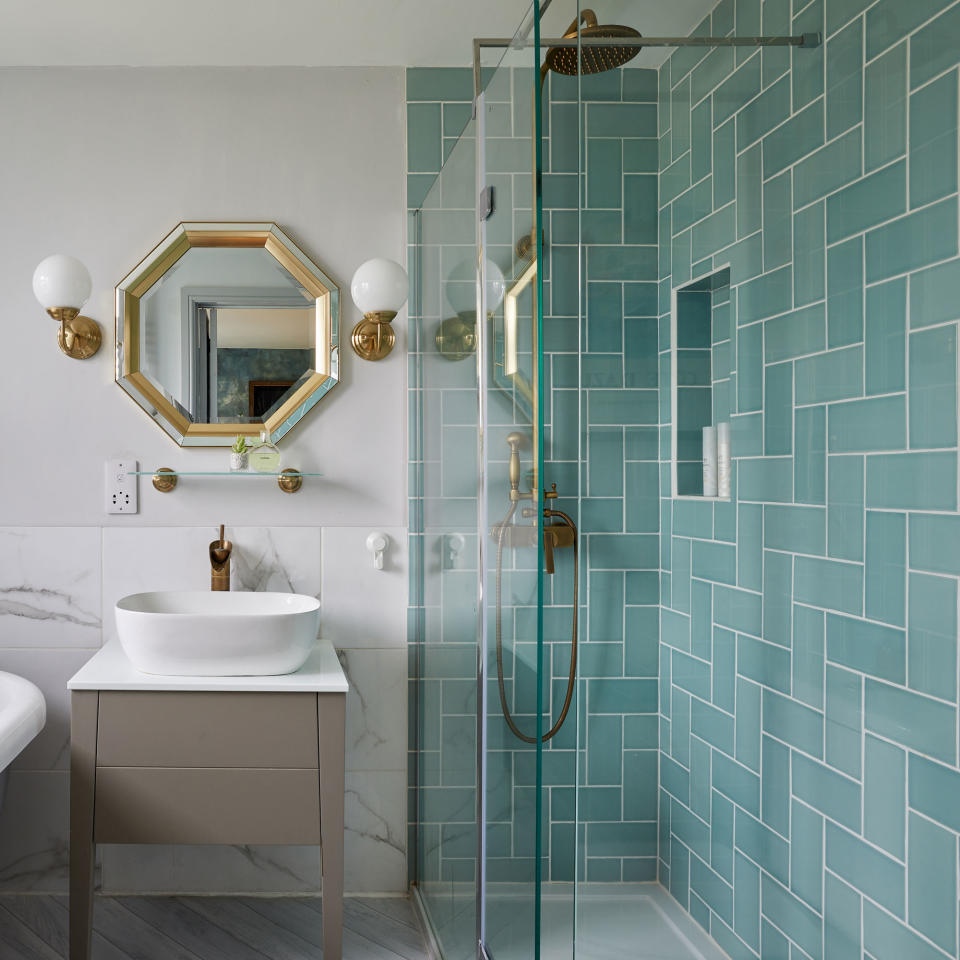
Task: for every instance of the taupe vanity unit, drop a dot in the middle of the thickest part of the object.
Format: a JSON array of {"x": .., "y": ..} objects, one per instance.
[{"x": 230, "y": 760}]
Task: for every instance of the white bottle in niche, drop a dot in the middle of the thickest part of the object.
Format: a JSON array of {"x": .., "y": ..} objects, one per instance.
[
  {"x": 723, "y": 459},
  {"x": 709, "y": 461}
]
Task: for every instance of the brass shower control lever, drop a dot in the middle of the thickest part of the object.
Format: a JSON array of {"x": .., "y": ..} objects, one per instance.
[{"x": 562, "y": 534}]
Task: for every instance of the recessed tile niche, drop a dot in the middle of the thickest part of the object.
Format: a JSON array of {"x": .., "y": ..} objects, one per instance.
[{"x": 702, "y": 359}]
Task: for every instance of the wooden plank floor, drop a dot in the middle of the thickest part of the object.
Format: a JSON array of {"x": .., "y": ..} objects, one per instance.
[{"x": 209, "y": 928}]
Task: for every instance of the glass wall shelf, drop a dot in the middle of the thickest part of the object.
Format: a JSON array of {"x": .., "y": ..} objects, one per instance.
[{"x": 289, "y": 480}]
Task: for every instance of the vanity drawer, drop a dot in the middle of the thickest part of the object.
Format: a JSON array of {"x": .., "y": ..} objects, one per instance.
[
  {"x": 193, "y": 805},
  {"x": 172, "y": 729}
]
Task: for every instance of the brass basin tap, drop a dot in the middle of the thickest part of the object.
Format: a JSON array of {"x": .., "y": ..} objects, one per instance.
[{"x": 220, "y": 551}]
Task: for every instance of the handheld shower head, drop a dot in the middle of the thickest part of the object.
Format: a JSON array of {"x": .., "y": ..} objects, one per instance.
[
  {"x": 516, "y": 441},
  {"x": 592, "y": 59}
]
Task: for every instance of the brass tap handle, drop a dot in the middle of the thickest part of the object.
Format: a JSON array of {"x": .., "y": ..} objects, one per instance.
[
  {"x": 220, "y": 551},
  {"x": 551, "y": 494}
]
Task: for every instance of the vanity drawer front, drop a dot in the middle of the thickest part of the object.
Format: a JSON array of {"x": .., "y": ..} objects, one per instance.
[
  {"x": 193, "y": 805},
  {"x": 172, "y": 729}
]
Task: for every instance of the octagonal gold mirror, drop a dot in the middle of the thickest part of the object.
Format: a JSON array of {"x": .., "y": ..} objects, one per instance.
[{"x": 226, "y": 329}]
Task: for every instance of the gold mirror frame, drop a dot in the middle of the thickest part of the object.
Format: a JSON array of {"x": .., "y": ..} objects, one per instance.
[{"x": 164, "y": 409}]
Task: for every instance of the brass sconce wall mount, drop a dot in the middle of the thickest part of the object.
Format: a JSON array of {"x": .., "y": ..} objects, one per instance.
[
  {"x": 79, "y": 337},
  {"x": 62, "y": 285},
  {"x": 379, "y": 289},
  {"x": 373, "y": 337}
]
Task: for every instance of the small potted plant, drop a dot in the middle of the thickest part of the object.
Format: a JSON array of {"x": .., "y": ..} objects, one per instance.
[{"x": 239, "y": 454}]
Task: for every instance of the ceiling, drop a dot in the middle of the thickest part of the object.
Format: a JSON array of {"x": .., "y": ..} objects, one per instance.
[{"x": 296, "y": 32}]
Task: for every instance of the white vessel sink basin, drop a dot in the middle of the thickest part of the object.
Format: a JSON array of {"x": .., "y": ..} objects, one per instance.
[
  {"x": 217, "y": 634},
  {"x": 23, "y": 714}
]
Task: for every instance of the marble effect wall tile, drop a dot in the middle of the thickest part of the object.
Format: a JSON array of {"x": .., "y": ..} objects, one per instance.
[
  {"x": 376, "y": 709},
  {"x": 51, "y": 596},
  {"x": 49, "y": 587},
  {"x": 362, "y": 606},
  {"x": 376, "y": 832},
  {"x": 34, "y": 849}
]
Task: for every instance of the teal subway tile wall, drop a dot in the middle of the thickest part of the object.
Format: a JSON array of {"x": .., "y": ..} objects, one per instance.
[
  {"x": 616, "y": 376},
  {"x": 797, "y": 646},
  {"x": 618, "y": 492},
  {"x": 835, "y": 742}
]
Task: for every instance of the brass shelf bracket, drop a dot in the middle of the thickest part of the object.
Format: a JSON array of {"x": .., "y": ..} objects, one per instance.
[
  {"x": 290, "y": 480},
  {"x": 165, "y": 480}
]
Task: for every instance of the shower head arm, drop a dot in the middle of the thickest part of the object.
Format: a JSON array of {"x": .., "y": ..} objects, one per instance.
[
  {"x": 796, "y": 40},
  {"x": 805, "y": 40}
]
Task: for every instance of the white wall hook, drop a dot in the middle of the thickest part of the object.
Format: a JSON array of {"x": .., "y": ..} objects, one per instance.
[
  {"x": 377, "y": 542},
  {"x": 455, "y": 542}
]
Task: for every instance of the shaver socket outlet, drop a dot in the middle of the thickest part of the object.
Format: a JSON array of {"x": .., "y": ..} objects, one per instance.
[{"x": 120, "y": 486}]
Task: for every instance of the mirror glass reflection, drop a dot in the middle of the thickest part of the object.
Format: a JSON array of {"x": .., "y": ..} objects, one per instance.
[
  {"x": 227, "y": 334},
  {"x": 225, "y": 331}
]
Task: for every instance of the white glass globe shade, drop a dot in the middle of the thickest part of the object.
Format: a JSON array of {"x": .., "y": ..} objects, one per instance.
[
  {"x": 61, "y": 281},
  {"x": 461, "y": 286},
  {"x": 379, "y": 284},
  {"x": 496, "y": 286}
]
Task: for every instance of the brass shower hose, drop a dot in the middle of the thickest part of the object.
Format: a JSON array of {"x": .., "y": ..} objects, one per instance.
[{"x": 572, "y": 679}]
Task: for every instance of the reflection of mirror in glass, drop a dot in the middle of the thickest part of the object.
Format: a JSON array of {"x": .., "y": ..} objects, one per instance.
[
  {"x": 227, "y": 334},
  {"x": 515, "y": 342}
]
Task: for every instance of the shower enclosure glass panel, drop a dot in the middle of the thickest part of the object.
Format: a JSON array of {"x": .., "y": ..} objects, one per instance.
[
  {"x": 600, "y": 216},
  {"x": 443, "y": 523},
  {"x": 511, "y": 404}
]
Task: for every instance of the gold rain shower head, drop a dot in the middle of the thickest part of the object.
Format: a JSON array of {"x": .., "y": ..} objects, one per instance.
[{"x": 593, "y": 59}]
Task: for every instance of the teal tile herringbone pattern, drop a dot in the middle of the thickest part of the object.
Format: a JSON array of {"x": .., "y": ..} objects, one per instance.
[
  {"x": 807, "y": 679},
  {"x": 602, "y": 410},
  {"x": 809, "y": 755},
  {"x": 601, "y": 378}
]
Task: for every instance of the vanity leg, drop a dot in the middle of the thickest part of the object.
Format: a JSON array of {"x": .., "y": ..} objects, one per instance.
[
  {"x": 331, "y": 711},
  {"x": 83, "y": 767}
]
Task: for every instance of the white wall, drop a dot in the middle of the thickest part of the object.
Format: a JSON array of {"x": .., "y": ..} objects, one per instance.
[{"x": 102, "y": 163}]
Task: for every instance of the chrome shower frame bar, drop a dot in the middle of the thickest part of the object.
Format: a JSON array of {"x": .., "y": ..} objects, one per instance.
[{"x": 805, "y": 40}]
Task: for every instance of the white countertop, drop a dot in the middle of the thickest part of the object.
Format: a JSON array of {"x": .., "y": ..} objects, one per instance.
[{"x": 109, "y": 669}]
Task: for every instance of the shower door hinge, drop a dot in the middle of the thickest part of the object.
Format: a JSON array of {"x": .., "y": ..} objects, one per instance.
[{"x": 486, "y": 203}]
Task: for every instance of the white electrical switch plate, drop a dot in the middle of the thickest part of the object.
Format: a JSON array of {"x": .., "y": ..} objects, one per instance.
[{"x": 120, "y": 489}]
